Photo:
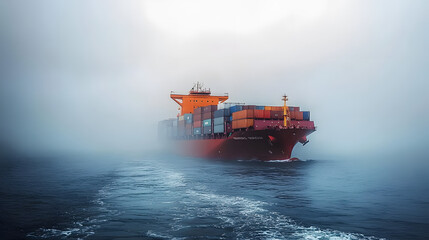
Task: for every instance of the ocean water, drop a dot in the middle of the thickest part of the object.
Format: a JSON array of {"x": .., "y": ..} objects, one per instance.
[{"x": 161, "y": 196}]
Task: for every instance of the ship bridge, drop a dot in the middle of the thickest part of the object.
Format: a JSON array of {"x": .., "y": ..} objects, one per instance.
[{"x": 197, "y": 97}]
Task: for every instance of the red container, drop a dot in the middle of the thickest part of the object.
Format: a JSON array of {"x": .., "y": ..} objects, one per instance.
[
  {"x": 258, "y": 114},
  {"x": 267, "y": 124},
  {"x": 245, "y": 107},
  {"x": 197, "y": 124},
  {"x": 207, "y": 115},
  {"x": 197, "y": 117},
  {"x": 276, "y": 115},
  {"x": 267, "y": 114}
]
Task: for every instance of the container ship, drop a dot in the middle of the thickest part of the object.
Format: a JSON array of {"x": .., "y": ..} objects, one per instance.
[{"x": 235, "y": 131}]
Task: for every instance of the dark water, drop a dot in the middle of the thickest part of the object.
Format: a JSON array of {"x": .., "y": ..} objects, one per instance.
[{"x": 165, "y": 197}]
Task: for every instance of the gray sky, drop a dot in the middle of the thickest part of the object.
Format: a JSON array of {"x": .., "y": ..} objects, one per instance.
[{"x": 96, "y": 75}]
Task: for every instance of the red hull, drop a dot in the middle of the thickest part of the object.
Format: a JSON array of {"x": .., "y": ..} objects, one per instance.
[{"x": 269, "y": 144}]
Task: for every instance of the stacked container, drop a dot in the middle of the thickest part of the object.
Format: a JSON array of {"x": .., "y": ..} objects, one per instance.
[
  {"x": 235, "y": 108},
  {"x": 188, "y": 123},
  {"x": 221, "y": 121},
  {"x": 197, "y": 121},
  {"x": 181, "y": 126},
  {"x": 243, "y": 118},
  {"x": 167, "y": 128},
  {"x": 207, "y": 118}
]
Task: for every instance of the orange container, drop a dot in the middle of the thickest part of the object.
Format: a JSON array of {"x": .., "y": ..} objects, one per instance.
[
  {"x": 248, "y": 113},
  {"x": 277, "y": 108},
  {"x": 268, "y": 108},
  {"x": 292, "y": 115},
  {"x": 299, "y": 116},
  {"x": 242, "y": 123}
]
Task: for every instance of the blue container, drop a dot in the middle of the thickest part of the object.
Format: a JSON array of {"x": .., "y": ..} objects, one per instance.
[
  {"x": 207, "y": 130},
  {"x": 220, "y": 120},
  {"x": 306, "y": 116},
  {"x": 222, "y": 113},
  {"x": 230, "y": 119},
  {"x": 260, "y": 107},
  {"x": 235, "y": 108},
  {"x": 188, "y": 118},
  {"x": 197, "y": 131},
  {"x": 207, "y": 123},
  {"x": 219, "y": 128}
]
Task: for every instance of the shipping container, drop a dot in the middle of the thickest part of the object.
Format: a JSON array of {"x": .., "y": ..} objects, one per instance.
[
  {"x": 294, "y": 109},
  {"x": 197, "y": 131},
  {"x": 222, "y": 113},
  {"x": 267, "y": 124},
  {"x": 306, "y": 116},
  {"x": 207, "y": 122},
  {"x": 274, "y": 108},
  {"x": 197, "y": 117},
  {"x": 198, "y": 124},
  {"x": 188, "y": 131},
  {"x": 207, "y": 115},
  {"x": 259, "y": 114},
  {"x": 298, "y": 116},
  {"x": 260, "y": 107},
  {"x": 245, "y": 107},
  {"x": 219, "y": 128},
  {"x": 230, "y": 119},
  {"x": 181, "y": 123},
  {"x": 188, "y": 118},
  {"x": 210, "y": 108},
  {"x": 207, "y": 130},
  {"x": 249, "y": 113},
  {"x": 198, "y": 111},
  {"x": 267, "y": 114},
  {"x": 276, "y": 114},
  {"x": 235, "y": 108},
  {"x": 242, "y": 123},
  {"x": 220, "y": 120}
]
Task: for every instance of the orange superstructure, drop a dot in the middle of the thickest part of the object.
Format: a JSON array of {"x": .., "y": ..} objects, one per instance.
[{"x": 197, "y": 97}]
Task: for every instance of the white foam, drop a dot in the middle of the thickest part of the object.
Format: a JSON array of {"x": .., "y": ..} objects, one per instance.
[{"x": 264, "y": 224}]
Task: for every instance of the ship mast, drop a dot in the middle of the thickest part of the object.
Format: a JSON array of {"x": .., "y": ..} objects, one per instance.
[{"x": 285, "y": 112}]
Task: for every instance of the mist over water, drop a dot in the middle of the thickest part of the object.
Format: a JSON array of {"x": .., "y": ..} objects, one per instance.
[{"x": 84, "y": 84}]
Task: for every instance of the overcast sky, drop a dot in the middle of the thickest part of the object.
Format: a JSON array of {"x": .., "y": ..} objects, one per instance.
[{"x": 96, "y": 75}]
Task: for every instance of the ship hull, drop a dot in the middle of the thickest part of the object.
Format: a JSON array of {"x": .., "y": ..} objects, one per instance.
[{"x": 269, "y": 144}]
